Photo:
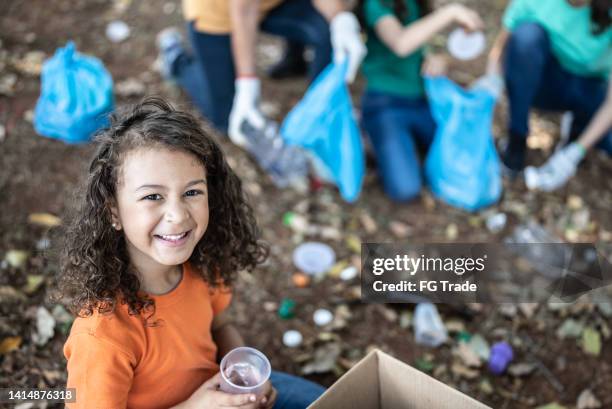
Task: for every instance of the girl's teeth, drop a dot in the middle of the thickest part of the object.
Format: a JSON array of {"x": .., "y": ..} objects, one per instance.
[{"x": 174, "y": 237}]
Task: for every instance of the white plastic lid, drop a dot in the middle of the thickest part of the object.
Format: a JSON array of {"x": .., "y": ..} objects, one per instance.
[
  {"x": 466, "y": 46},
  {"x": 322, "y": 317},
  {"x": 314, "y": 258},
  {"x": 349, "y": 273},
  {"x": 117, "y": 31},
  {"x": 292, "y": 338}
]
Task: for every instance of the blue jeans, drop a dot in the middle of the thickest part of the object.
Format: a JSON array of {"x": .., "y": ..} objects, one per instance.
[
  {"x": 294, "y": 392},
  {"x": 394, "y": 124},
  {"x": 534, "y": 78},
  {"x": 208, "y": 75}
]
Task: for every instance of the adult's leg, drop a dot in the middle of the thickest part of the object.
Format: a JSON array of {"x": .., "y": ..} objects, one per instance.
[
  {"x": 535, "y": 78},
  {"x": 526, "y": 55},
  {"x": 294, "y": 392},
  {"x": 422, "y": 124},
  {"x": 214, "y": 55},
  {"x": 385, "y": 121},
  {"x": 187, "y": 72},
  {"x": 299, "y": 21}
]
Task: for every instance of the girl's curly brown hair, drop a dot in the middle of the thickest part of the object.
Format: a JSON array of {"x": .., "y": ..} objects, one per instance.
[{"x": 95, "y": 271}]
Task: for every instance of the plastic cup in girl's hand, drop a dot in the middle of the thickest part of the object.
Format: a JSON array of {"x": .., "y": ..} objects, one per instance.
[
  {"x": 244, "y": 370},
  {"x": 466, "y": 46}
]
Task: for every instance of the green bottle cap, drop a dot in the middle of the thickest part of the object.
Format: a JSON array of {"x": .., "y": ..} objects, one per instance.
[
  {"x": 286, "y": 309},
  {"x": 288, "y": 218},
  {"x": 464, "y": 336}
]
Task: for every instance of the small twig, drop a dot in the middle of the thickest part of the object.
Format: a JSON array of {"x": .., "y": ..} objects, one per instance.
[{"x": 550, "y": 377}]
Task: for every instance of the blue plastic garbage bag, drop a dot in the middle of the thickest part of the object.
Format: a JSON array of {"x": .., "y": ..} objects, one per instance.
[
  {"x": 462, "y": 166},
  {"x": 323, "y": 123},
  {"x": 76, "y": 96}
]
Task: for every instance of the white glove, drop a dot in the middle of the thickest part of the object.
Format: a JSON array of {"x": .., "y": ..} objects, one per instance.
[
  {"x": 245, "y": 108},
  {"x": 557, "y": 170},
  {"x": 346, "y": 42}
]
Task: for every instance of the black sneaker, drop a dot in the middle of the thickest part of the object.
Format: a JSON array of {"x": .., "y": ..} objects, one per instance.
[
  {"x": 513, "y": 156},
  {"x": 508, "y": 172}
]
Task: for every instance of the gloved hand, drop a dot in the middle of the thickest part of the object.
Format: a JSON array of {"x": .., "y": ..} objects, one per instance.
[
  {"x": 346, "y": 42},
  {"x": 245, "y": 108},
  {"x": 557, "y": 170}
]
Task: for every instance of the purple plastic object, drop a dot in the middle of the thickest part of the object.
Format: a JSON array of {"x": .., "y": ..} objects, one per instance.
[{"x": 501, "y": 355}]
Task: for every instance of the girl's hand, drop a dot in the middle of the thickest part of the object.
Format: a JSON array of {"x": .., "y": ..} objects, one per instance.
[
  {"x": 209, "y": 396},
  {"x": 465, "y": 17},
  {"x": 269, "y": 398},
  {"x": 435, "y": 65}
]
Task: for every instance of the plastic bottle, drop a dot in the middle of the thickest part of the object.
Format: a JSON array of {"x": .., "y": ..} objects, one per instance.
[
  {"x": 285, "y": 164},
  {"x": 429, "y": 329},
  {"x": 536, "y": 246}
]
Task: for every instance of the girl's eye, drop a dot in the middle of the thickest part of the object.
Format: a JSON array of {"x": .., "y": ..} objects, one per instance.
[
  {"x": 193, "y": 192},
  {"x": 154, "y": 196}
]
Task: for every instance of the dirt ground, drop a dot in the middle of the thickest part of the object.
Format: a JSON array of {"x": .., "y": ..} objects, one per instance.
[{"x": 38, "y": 175}]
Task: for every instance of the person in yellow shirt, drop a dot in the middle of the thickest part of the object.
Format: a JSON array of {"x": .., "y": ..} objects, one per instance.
[{"x": 220, "y": 76}]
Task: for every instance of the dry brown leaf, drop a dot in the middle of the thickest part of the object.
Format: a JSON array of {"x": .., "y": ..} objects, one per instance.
[
  {"x": 9, "y": 344},
  {"x": 44, "y": 219}
]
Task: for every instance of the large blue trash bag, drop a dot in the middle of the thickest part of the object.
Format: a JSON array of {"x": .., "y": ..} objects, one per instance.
[
  {"x": 323, "y": 123},
  {"x": 462, "y": 166},
  {"x": 76, "y": 96}
]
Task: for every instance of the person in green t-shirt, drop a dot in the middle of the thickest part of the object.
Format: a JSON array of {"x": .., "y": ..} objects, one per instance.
[
  {"x": 395, "y": 112},
  {"x": 556, "y": 55}
]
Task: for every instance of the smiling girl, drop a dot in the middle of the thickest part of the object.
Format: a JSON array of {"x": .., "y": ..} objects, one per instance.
[{"x": 148, "y": 264}]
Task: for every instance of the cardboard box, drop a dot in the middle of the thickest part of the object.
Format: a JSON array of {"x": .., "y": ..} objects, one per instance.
[{"x": 380, "y": 381}]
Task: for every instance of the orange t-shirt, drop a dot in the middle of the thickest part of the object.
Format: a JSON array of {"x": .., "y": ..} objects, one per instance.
[
  {"x": 213, "y": 16},
  {"x": 114, "y": 361}
]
